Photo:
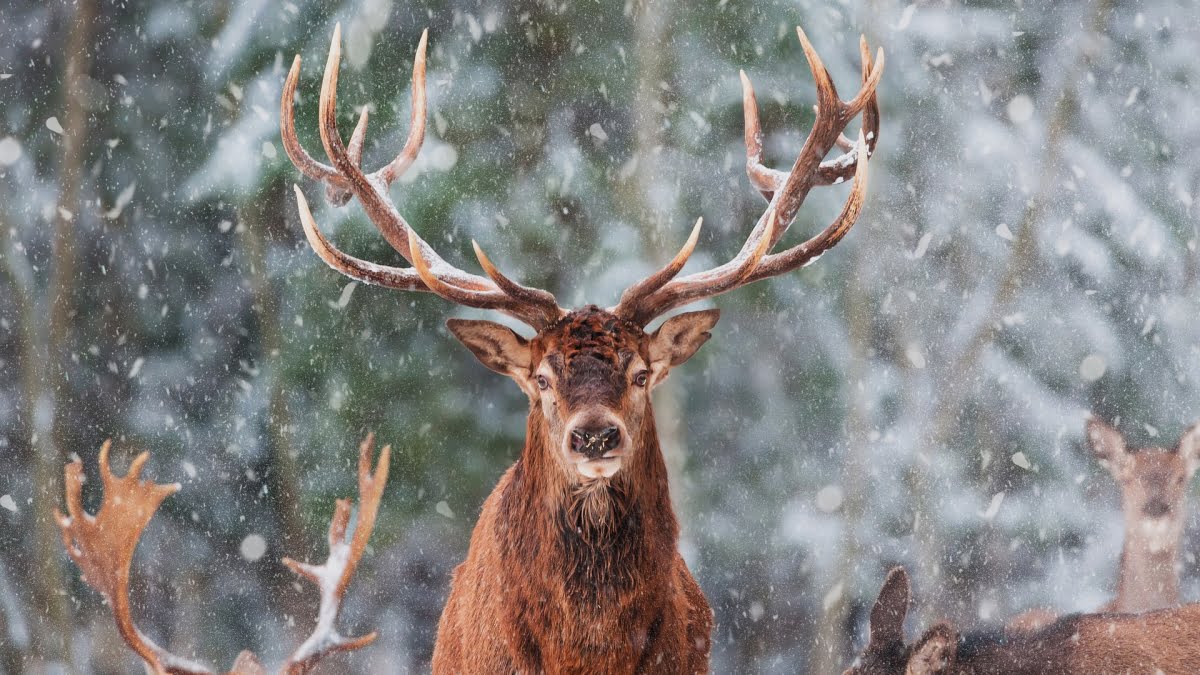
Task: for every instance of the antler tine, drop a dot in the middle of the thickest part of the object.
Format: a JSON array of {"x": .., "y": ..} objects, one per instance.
[
  {"x": 787, "y": 191},
  {"x": 643, "y": 310},
  {"x": 535, "y": 298},
  {"x": 333, "y": 576},
  {"x": 840, "y": 168},
  {"x": 416, "y": 124},
  {"x": 808, "y": 252},
  {"x": 358, "y": 139},
  {"x": 102, "y": 547},
  {"x": 767, "y": 180},
  {"x": 405, "y": 279},
  {"x": 291, "y": 144},
  {"x": 532, "y": 306},
  {"x": 379, "y": 209},
  {"x": 830, "y": 120},
  {"x": 371, "y": 194},
  {"x": 635, "y": 294},
  {"x": 540, "y": 314}
]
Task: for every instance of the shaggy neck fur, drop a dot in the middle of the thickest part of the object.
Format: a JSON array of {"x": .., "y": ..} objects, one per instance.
[{"x": 603, "y": 537}]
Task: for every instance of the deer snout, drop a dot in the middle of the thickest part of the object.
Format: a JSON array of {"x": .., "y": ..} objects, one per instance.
[
  {"x": 1156, "y": 508},
  {"x": 594, "y": 443}
]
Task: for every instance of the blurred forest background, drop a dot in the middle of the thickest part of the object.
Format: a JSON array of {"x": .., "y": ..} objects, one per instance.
[{"x": 1027, "y": 254}]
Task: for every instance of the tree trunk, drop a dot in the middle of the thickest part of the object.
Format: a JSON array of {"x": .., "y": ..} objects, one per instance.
[
  {"x": 954, "y": 385},
  {"x": 53, "y": 637},
  {"x": 831, "y": 649}
]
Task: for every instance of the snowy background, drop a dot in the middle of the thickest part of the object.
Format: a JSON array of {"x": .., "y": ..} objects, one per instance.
[{"x": 1027, "y": 254}]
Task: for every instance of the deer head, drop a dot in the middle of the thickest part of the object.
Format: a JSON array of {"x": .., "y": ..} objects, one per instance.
[
  {"x": 1154, "y": 482},
  {"x": 590, "y": 376},
  {"x": 886, "y": 653},
  {"x": 588, "y": 372}
]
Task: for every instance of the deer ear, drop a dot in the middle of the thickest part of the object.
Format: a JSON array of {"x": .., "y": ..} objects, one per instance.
[
  {"x": 1108, "y": 445},
  {"x": 496, "y": 346},
  {"x": 678, "y": 339},
  {"x": 934, "y": 653},
  {"x": 1189, "y": 448},
  {"x": 887, "y": 616}
]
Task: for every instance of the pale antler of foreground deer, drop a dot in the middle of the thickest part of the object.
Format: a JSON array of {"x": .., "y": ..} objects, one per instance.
[
  {"x": 102, "y": 546},
  {"x": 1165, "y": 641},
  {"x": 1154, "y": 486},
  {"x": 573, "y": 564}
]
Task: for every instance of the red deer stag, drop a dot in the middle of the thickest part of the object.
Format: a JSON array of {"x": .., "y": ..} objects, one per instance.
[
  {"x": 573, "y": 565},
  {"x": 102, "y": 546},
  {"x": 1154, "y": 488},
  {"x": 1166, "y": 641}
]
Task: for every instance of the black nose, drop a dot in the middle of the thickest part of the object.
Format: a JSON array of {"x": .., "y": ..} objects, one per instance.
[
  {"x": 1155, "y": 509},
  {"x": 593, "y": 443}
]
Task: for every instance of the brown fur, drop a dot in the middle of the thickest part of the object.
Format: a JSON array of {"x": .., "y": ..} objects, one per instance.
[
  {"x": 566, "y": 575},
  {"x": 1164, "y": 641},
  {"x": 1154, "y": 486}
]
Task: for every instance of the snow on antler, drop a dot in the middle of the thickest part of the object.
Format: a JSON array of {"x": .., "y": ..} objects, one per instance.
[
  {"x": 102, "y": 546},
  {"x": 333, "y": 576}
]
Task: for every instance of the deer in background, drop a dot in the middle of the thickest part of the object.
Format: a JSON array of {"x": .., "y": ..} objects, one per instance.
[
  {"x": 1166, "y": 641},
  {"x": 102, "y": 546},
  {"x": 1154, "y": 486},
  {"x": 573, "y": 565}
]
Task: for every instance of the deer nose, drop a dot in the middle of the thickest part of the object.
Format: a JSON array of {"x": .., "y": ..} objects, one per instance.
[
  {"x": 1155, "y": 509},
  {"x": 593, "y": 443}
]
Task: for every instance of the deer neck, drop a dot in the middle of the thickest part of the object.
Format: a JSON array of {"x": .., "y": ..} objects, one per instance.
[
  {"x": 1148, "y": 578},
  {"x": 597, "y": 536}
]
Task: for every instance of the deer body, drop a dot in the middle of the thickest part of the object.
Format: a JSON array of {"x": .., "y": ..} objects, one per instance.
[
  {"x": 578, "y": 575},
  {"x": 1165, "y": 641},
  {"x": 573, "y": 566},
  {"x": 629, "y": 603}
]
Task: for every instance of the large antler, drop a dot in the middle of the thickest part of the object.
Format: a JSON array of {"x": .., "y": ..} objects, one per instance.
[
  {"x": 103, "y": 545},
  {"x": 345, "y": 178},
  {"x": 785, "y": 192}
]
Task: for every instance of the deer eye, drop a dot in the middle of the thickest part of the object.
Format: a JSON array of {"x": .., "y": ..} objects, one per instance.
[
  {"x": 641, "y": 378},
  {"x": 543, "y": 383}
]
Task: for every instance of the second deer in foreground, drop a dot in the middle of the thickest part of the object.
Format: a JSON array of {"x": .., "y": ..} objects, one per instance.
[
  {"x": 573, "y": 566},
  {"x": 1166, "y": 641}
]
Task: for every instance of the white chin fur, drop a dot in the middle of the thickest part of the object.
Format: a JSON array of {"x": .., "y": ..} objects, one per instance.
[
  {"x": 1157, "y": 533},
  {"x": 601, "y": 468}
]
